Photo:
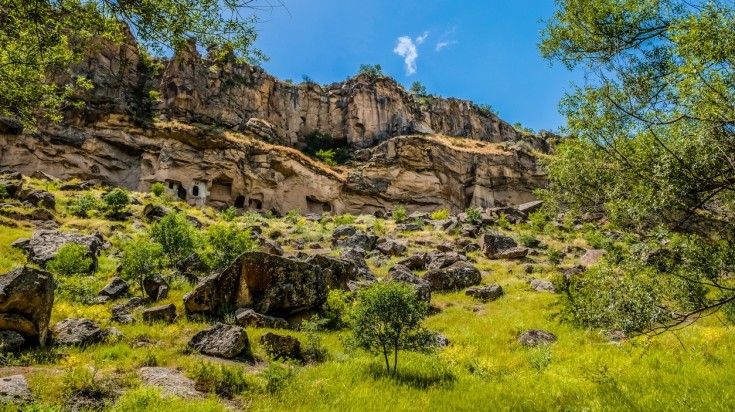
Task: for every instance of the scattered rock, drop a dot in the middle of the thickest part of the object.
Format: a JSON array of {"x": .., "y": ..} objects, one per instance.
[
  {"x": 14, "y": 389},
  {"x": 438, "y": 340},
  {"x": 391, "y": 248},
  {"x": 156, "y": 287},
  {"x": 10, "y": 341},
  {"x": 498, "y": 246},
  {"x": 222, "y": 340},
  {"x": 454, "y": 277},
  {"x": 29, "y": 294},
  {"x": 45, "y": 244},
  {"x": 528, "y": 269},
  {"x": 281, "y": 346},
  {"x": 249, "y": 317},
  {"x": 342, "y": 232},
  {"x": 414, "y": 262},
  {"x": 170, "y": 381},
  {"x": 77, "y": 332},
  {"x": 117, "y": 288},
  {"x": 154, "y": 213},
  {"x": 360, "y": 240},
  {"x": 121, "y": 311},
  {"x": 591, "y": 257},
  {"x": 536, "y": 337},
  {"x": 400, "y": 273},
  {"x": 43, "y": 176},
  {"x": 615, "y": 336},
  {"x": 486, "y": 293},
  {"x": 357, "y": 258},
  {"x": 337, "y": 272},
  {"x": 272, "y": 247},
  {"x": 40, "y": 198},
  {"x": 21, "y": 243},
  {"x": 163, "y": 313},
  {"x": 440, "y": 260},
  {"x": 530, "y": 207},
  {"x": 542, "y": 286},
  {"x": 193, "y": 265}
]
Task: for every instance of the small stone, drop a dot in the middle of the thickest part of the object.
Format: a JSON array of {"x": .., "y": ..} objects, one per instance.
[
  {"x": 222, "y": 340},
  {"x": 542, "y": 286},
  {"x": 486, "y": 293},
  {"x": 536, "y": 337}
]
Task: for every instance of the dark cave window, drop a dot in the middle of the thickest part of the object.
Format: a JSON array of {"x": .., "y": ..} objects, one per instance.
[
  {"x": 170, "y": 185},
  {"x": 240, "y": 202},
  {"x": 195, "y": 191}
]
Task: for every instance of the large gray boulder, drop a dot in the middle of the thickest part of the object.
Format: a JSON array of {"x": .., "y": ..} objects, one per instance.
[
  {"x": 26, "y": 298},
  {"x": 390, "y": 247},
  {"x": 222, "y": 340},
  {"x": 401, "y": 273},
  {"x": 10, "y": 341},
  {"x": 486, "y": 293},
  {"x": 40, "y": 198},
  {"x": 155, "y": 287},
  {"x": 360, "y": 240},
  {"x": 337, "y": 272},
  {"x": 117, "y": 288},
  {"x": 498, "y": 246},
  {"x": 45, "y": 244},
  {"x": 77, "y": 332},
  {"x": 357, "y": 258},
  {"x": 536, "y": 337},
  {"x": 281, "y": 346},
  {"x": 163, "y": 313},
  {"x": 249, "y": 317},
  {"x": 271, "y": 285},
  {"x": 457, "y": 276},
  {"x": 440, "y": 260}
]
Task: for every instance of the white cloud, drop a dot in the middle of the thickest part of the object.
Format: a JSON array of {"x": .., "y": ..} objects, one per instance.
[
  {"x": 445, "y": 41},
  {"x": 442, "y": 44},
  {"x": 422, "y": 38},
  {"x": 407, "y": 49}
]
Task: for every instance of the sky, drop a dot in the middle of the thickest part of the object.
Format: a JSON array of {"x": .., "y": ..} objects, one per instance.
[{"x": 480, "y": 50}]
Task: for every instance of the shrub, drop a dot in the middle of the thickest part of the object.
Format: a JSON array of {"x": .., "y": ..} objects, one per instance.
[
  {"x": 337, "y": 309},
  {"x": 117, "y": 200},
  {"x": 81, "y": 382},
  {"x": 555, "y": 256},
  {"x": 487, "y": 110},
  {"x": 474, "y": 215},
  {"x": 277, "y": 377},
  {"x": 324, "y": 142},
  {"x": 176, "y": 236},
  {"x": 503, "y": 222},
  {"x": 418, "y": 88},
  {"x": 223, "y": 243},
  {"x": 372, "y": 70},
  {"x": 530, "y": 240},
  {"x": 226, "y": 381},
  {"x": 77, "y": 289},
  {"x": 326, "y": 156},
  {"x": 82, "y": 205},
  {"x": 72, "y": 259},
  {"x": 141, "y": 257},
  {"x": 4, "y": 191},
  {"x": 293, "y": 216},
  {"x": 228, "y": 215},
  {"x": 314, "y": 350},
  {"x": 442, "y": 214},
  {"x": 379, "y": 228},
  {"x": 387, "y": 319},
  {"x": 399, "y": 213},
  {"x": 538, "y": 221},
  {"x": 157, "y": 189},
  {"x": 345, "y": 219}
]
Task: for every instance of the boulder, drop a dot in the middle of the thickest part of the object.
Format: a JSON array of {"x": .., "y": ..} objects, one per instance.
[
  {"x": 170, "y": 381},
  {"x": 192, "y": 265},
  {"x": 21, "y": 243},
  {"x": 457, "y": 276},
  {"x": 43, "y": 176},
  {"x": 498, "y": 246},
  {"x": 249, "y": 317},
  {"x": 13, "y": 186},
  {"x": 400, "y": 273},
  {"x": 337, "y": 272},
  {"x": 155, "y": 287},
  {"x": 281, "y": 346},
  {"x": 440, "y": 260},
  {"x": 10, "y": 341},
  {"x": 357, "y": 258},
  {"x": 224, "y": 341},
  {"x": 29, "y": 294},
  {"x": 486, "y": 293},
  {"x": 269, "y": 284},
  {"x": 536, "y": 337},
  {"x": 360, "y": 240},
  {"x": 154, "y": 213},
  {"x": 414, "y": 262},
  {"x": 591, "y": 257},
  {"x": 39, "y": 198},
  {"x": 542, "y": 286},
  {"x": 272, "y": 247},
  {"x": 437, "y": 340},
  {"x": 14, "y": 390},
  {"x": 530, "y": 207},
  {"x": 391, "y": 248},
  {"x": 163, "y": 313},
  {"x": 342, "y": 232},
  {"x": 121, "y": 311},
  {"x": 117, "y": 288},
  {"x": 77, "y": 332},
  {"x": 45, "y": 244}
]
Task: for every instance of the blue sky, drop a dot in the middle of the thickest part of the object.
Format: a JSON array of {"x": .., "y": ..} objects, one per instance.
[{"x": 489, "y": 52}]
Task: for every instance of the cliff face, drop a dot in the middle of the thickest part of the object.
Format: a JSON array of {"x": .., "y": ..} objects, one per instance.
[{"x": 221, "y": 133}]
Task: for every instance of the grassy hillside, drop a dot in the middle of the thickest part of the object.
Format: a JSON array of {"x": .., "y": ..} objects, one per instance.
[{"x": 484, "y": 368}]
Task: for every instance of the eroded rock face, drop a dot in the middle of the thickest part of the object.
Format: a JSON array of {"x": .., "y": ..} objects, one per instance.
[
  {"x": 26, "y": 296},
  {"x": 269, "y": 284},
  {"x": 498, "y": 246}
]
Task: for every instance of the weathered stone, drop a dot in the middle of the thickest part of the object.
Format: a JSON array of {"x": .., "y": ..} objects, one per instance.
[
  {"x": 342, "y": 232},
  {"x": 400, "y": 273},
  {"x": 542, "y": 286},
  {"x": 170, "y": 381},
  {"x": 357, "y": 258},
  {"x": 28, "y": 293},
  {"x": 486, "y": 293},
  {"x": 77, "y": 332},
  {"x": 45, "y": 244},
  {"x": 269, "y": 284},
  {"x": 121, "y": 311},
  {"x": 391, "y": 248},
  {"x": 536, "y": 337},
  {"x": 14, "y": 389},
  {"x": 193, "y": 265},
  {"x": 156, "y": 287},
  {"x": 10, "y": 341},
  {"x": 512, "y": 253},
  {"x": 337, "y": 272},
  {"x": 163, "y": 313},
  {"x": 117, "y": 288},
  {"x": 440, "y": 260},
  {"x": 281, "y": 346},
  {"x": 530, "y": 207},
  {"x": 498, "y": 246},
  {"x": 39, "y": 198},
  {"x": 21, "y": 243},
  {"x": 437, "y": 340},
  {"x": 18, "y": 323},
  {"x": 222, "y": 340},
  {"x": 272, "y": 247},
  {"x": 249, "y": 317},
  {"x": 360, "y": 240},
  {"x": 454, "y": 277},
  {"x": 591, "y": 257},
  {"x": 414, "y": 262}
]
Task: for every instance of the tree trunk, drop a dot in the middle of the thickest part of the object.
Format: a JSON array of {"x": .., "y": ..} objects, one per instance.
[{"x": 387, "y": 363}]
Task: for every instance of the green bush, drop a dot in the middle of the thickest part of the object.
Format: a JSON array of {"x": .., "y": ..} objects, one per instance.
[
  {"x": 530, "y": 240},
  {"x": 223, "y": 243},
  {"x": 555, "y": 256},
  {"x": 338, "y": 309},
  {"x": 442, "y": 214},
  {"x": 117, "y": 200},
  {"x": 334, "y": 149},
  {"x": 345, "y": 219},
  {"x": 327, "y": 156},
  {"x": 140, "y": 258},
  {"x": 229, "y": 214},
  {"x": 223, "y": 380},
  {"x": 80, "y": 381},
  {"x": 157, "y": 189},
  {"x": 77, "y": 289},
  {"x": 399, "y": 213},
  {"x": 314, "y": 350},
  {"x": 372, "y": 70},
  {"x": 503, "y": 222},
  {"x": 474, "y": 215},
  {"x": 71, "y": 259},
  {"x": 177, "y": 236},
  {"x": 379, "y": 228},
  {"x": 293, "y": 216},
  {"x": 4, "y": 191},
  {"x": 418, "y": 88},
  {"x": 82, "y": 205},
  {"x": 277, "y": 377}
]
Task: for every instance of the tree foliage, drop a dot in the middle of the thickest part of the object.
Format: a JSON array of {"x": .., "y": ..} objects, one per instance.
[
  {"x": 70, "y": 260},
  {"x": 652, "y": 144},
  {"x": 41, "y": 39},
  {"x": 141, "y": 257},
  {"x": 225, "y": 242},
  {"x": 387, "y": 319},
  {"x": 117, "y": 200},
  {"x": 176, "y": 235},
  {"x": 372, "y": 70},
  {"x": 418, "y": 88}
]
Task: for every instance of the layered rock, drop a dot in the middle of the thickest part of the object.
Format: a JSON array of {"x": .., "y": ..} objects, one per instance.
[{"x": 26, "y": 299}]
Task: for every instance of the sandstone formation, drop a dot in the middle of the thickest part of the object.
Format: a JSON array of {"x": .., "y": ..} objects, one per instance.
[{"x": 26, "y": 299}]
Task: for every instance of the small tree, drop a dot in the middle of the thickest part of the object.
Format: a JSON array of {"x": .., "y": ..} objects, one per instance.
[
  {"x": 117, "y": 200},
  {"x": 224, "y": 243},
  {"x": 157, "y": 189},
  {"x": 141, "y": 257},
  {"x": 70, "y": 260},
  {"x": 371, "y": 70},
  {"x": 84, "y": 204},
  {"x": 399, "y": 213},
  {"x": 387, "y": 319},
  {"x": 474, "y": 215},
  {"x": 176, "y": 235},
  {"x": 326, "y": 156},
  {"x": 418, "y": 88}
]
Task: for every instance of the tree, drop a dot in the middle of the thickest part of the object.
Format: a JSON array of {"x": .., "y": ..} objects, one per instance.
[
  {"x": 387, "y": 319},
  {"x": 369, "y": 69},
  {"x": 418, "y": 88},
  {"x": 652, "y": 145},
  {"x": 42, "y": 39},
  {"x": 176, "y": 235},
  {"x": 117, "y": 200},
  {"x": 223, "y": 243},
  {"x": 141, "y": 257},
  {"x": 84, "y": 204},
  {"x": 157, "y": 189}
]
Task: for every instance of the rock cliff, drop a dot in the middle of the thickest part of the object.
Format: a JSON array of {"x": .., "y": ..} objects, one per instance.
[{"x": 223, "y": 133}]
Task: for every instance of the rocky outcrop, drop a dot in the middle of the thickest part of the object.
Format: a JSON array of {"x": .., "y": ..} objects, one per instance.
[
  {"x": 26, "y": 299},
  {"x": 269, "y": 284}
]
